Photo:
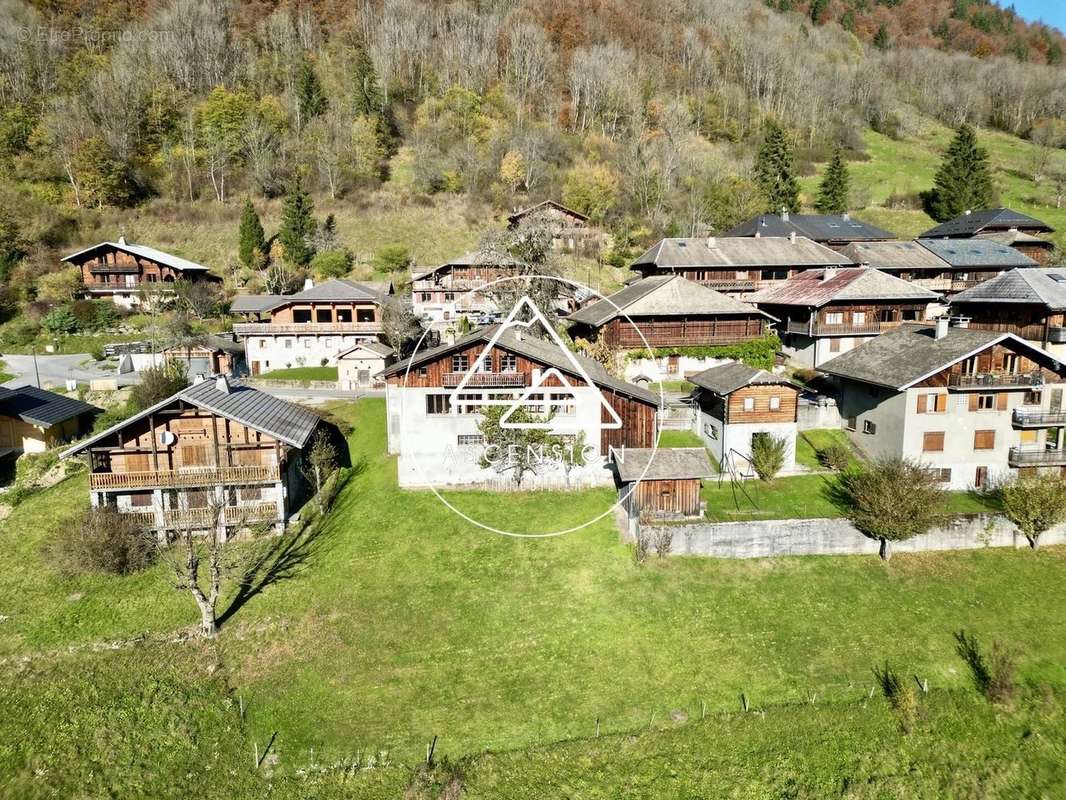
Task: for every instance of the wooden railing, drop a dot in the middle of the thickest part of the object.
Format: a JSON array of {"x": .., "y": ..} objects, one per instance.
[
  {"x": 176, "y": 479},
  {"x": 1029, "y": 456},
  {"x": 254, "y": 328},
  {"x": 231, "y": 515},
  {"x": 990, "y": 380},
  {"x": 824, "y": 328},
  {"x": 453, "y": 379},
  {"x": 1038, "y": 419}
]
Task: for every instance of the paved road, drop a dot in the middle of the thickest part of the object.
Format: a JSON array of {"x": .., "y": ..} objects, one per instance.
[{"x": 55, "y": 370}]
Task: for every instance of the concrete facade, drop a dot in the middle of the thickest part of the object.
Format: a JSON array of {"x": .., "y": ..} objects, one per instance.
[
  {"x": 731, "y": 443},
  {"x": 270, "y": 351}
]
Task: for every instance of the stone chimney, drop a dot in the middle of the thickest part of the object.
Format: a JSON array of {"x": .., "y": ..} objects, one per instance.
[
  {"x": 308, "y": 284},
  {"x": 221, "y": 384},
  {"x": 712, "y": 242},
  {"x": 792, "y": 237},
  {"x": 829, "y": 273},
  {"x": 845, "y": 216},
  {"x": 784, "y": 214},
  {"x": 942, "y": 325}
]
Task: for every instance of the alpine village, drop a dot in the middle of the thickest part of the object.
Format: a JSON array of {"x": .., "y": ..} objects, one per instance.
[{"x": 426, "y": 400}]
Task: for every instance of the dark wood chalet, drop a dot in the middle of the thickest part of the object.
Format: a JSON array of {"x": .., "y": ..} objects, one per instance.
[
  {"x": 451, "y": 290},
  {"x": 987, "y": 221},
  {"x": 213, "y": 454},
  {"x": 973, "y": 261},
  {"x": 832, "y": 230},
  {"x": 668, "y": 311},
  {"x": 663, "y": 482},
  {"x": 1030, "y": 303},
  {"x": 571, "y": 231},
  {"x": 119, "y": 270}
]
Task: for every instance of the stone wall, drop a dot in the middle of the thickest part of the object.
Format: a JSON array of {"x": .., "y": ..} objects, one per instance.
[{"x": 808, "y": 537}]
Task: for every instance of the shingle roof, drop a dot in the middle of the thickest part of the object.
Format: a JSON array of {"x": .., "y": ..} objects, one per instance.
[
  {"x": 814, "y": 288},
  {"x": 339, "y": 290},
  {"x": 532, "y": 348},
  {"x": 374, "y": 347},
  {"x": 175, "y": 262},
  {"x": 261, "y": 411},
  {"x": 740, "y": 251},
  {"x": 660, "y": 296},
  {"x": 663, "y": 463},
  {"x": 524, "y": 211},
  {"x": 911, "y": 353},
  {"x": 1046, "y": 287},
  {"x": 973, "y": 222},
  {"x": 894, "y": 255},
  {"x": 727, "y": 378},
  {"x": 472, "y": 258},
  {"x": 818, "y": 227},
  {"x": 41, "y": 407},
  {"x": 977, "y": 253}
]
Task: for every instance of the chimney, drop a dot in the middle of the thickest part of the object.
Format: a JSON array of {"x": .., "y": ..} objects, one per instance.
[
  {"x": 308, "y": 284},
  {"x": 221, "y": 384},
  {"x": 966, "y": 213},
  {"x": 792, "y": 237},
  {"x": 845, "y": 216},
  {"x": 758, "y": 234},
  {"x": 942, "y": 325},
  {"x": 712, "y": 242},
  {"x": 784, "y": 214},
  {"x": 198, "y": 379},
  {"x": 829, "y": 273},
  {"x": 960, "y": 322},
  {"x": 449, "y": 336},
  {"x": 122, "y": 239}
]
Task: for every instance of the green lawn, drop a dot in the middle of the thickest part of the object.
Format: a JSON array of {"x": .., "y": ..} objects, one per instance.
[
  {"x": 679, "y": 439},
  {"x": 300, "y": 374},
  {"x": 809, "y": 443},
  {"x": 4, "y": 374}
]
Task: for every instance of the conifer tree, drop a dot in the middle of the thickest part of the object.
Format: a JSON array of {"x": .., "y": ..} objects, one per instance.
[
  {"x": 881, "y": 38},
  {"x": 964, "y": 180},
  {"x": 833, "y": 191},
  {"x": 775, "y": 169},
  {"x": 251, "y": 240},
  {"x": 297, "y": 226},
  {"x": 310, "y": 99},
  {"x": 367, "y": 99}
]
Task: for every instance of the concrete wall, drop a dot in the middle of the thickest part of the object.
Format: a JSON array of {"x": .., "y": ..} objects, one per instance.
[
  {"x": 656, "y": 368},
  {"x": 806, "y": 537},
  {"x": 272, "y": 351},
  {"x": 884, "y": 408},
  {"x": 811, "y": 414},
  {"x": 808, "y": 351}
]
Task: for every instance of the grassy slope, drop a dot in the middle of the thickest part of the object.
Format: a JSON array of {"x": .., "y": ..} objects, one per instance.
[
  {"x": 407, "y": 623},
  {"x": 810, "y": 442}
]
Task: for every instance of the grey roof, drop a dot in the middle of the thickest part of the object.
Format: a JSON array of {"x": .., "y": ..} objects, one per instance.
[
  {"x": 989, "y": 219},
  {"x": 1046, "y": 287},
  {"x": 663, "y": 463},
  {"x": 814, "y": 288},
  {"x": 378, "y": 348},
  {"x": 911, "y": 353},
  {"x": 1013, "y": 237},
  {"x": 740, "y": 251},
  {"x": 471, "y": 258},
  {"x": 727, "y": 378},
  {"x": 894, "y": 255},
  {"x": 661, "y": 296},
  {"x": 533, "y": 348},
  {"x": 977, "y": 252},
  {"x": 339, "y": 290},
  {"x": 254, "y": 303},
  {"x": 41, "y": 407},
  {"x": 143, "y": 251},
  {"x": 212, "y": 341},
  {"x": 263, "y": 412},
  {"x": 524, "y": 211},
  {"x": 818, "y": 227}
]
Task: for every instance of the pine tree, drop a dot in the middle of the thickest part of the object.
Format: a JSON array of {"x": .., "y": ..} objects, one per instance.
[
  {"x": 775, "y": 169},
  {"x": 251, "y": 240},
  {"x": 310, "y": 99},
  {"x": 367, "y": 99},
  {"x": 817, "y": 10},
  {"x": 881, "y": 40},
  {"x": 297, "y": 226},
  {"x": 964, "y": 180},
  {"x": 834, "y": 189}
]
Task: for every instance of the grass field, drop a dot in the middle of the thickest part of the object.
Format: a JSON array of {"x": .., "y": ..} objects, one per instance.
[
  {"x": 679, "y": 439},
  {"x": 403, "y": 622},
  {"x": 300, "y": 374},
  {"x": 810, "y": 442}
]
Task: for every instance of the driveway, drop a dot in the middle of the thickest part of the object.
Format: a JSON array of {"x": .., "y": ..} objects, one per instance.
[{"x": 55, "y": 370}]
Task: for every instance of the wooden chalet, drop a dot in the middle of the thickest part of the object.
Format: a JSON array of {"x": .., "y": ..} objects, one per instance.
[
  {"x": 215, "y": 453},
  {"x": 215, "y": 355},
  {"x": 1004, "y": 226},
  {"x": 1030, "y": 303},
  {"x": 571, "y": 229},
  {"x": 32, "y": 420},
  {"x": 668, "y": 311},
  {"x": 118, "y": 270},
  {"x": 451, "y": 290},
  {"x": 973, "y": 261},
  {"x": 833, "y": 230},
  {"x": 663, "y": 482}
]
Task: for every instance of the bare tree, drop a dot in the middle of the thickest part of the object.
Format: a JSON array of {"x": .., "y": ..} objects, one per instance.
[
  {"x": 399, "y": 324},
  {"x": 320, "y": 463}
]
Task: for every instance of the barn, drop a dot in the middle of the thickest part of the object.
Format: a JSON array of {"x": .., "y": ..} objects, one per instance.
[{"x": 663, "y": 482}]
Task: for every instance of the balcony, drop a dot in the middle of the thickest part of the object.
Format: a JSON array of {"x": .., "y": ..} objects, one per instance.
[
  {"x": 959, "y": 285},
  {"x": 274, "y": 328},
  {"x": 1035, "y": 418},
  {"x": 1056, "y": 335},
  {"x": 1030, "y": 456},
  {"x": 183, "y": 479},
  {"x": 732, "y": 286},
  {"x": 482, "y": 379},
  {"x": 822, "y": 329},
  {"x": 993, "y": 380},
  {"x": 204, "y": 517}
]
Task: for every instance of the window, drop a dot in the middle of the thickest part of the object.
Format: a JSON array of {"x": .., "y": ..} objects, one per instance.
[
  {"x": 852, "y": 423},
  {"x": 344, "y": 315},
  {"x": 1032, "y": 398},
  {"x": 301, "y": 315},
  {"x": 980, "y": 477},
  {"x": 141, "y": 499},
  {"x": 449, "y": 296},
  {"x": 323, "y": 315},
  {"x": 910, "y": 315},
  {"x": 425, "y": 297},
  {"x": 774, "y": 274},
  {"x": 196, "y": 498},
  {"x": 834, "y": 345},
  {"x": 563, "y": 405},
  {"x": 288, "y": 344},
  {"x": 986, "y": 402},
  {"x": 469, "y": 403},
  {"x": 437, "y": 404},
  {"x": 364, "y": 315},
  {"x": 252, "y": 493},
  {"x": 485, "y": 365},
  {"x": 775, "y": 403},
  {"x": 1010, "y": 363},
  {"x": 858, "y": 317},
  {"x": 262, "y": 343},
  {"x": 423, "y": 372},
  {"x": 932, "y": 403},
  {"x": 984, "y": 440},
  {"x": 749, "y": 403},
  {"x": 933, "y": 442},
  {"x": 460, "y": 363},
  {"x": 940, "y": 474},
  {"x": 742, "y": 274},
  {"x": 869, "y": 427},
  {"x": 469, "y": 439},
  {"x": 508, "y": 363},
  {"x": 834, "y": 318},
  {"x": 887, "y": 314}
]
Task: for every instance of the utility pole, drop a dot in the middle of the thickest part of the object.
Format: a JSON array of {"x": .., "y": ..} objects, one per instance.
[{"x": 36, "y": 371}]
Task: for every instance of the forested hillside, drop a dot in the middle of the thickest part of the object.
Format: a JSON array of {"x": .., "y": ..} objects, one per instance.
[{"x": 418, "y": 124}]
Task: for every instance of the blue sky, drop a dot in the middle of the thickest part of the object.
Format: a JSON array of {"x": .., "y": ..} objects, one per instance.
[{"x": 1053, "y": 12}]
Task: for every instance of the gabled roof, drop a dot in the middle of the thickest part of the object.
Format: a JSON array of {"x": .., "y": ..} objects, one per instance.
[
  {"x": 989, "y": 219},
  {"x": 977, "y": 252},
  {"x": 894, "y": 255},
  {"x": 339, "y": 290},
  {"x": 377, "y": 348},
  {"x": 739, "y": 251},
  {"x": 472, "y": 258},
  {"x": 1013, "y": 237},
  {"x": 254, "y": 303},
  {"x": 211, "y": 341},
  {"x": 526, "y": 211},
  {"x": 816, "y": 287},
  {"x": 258, "y": 410},
  {"x": 901, "y": 358},
  {"x": 41, "y": 407},
  {"x": 662, "y": 464},
  {"x": 142, "y": 251},
  {"x": 1046, "y": 287},
  {"x": 532, "y": 348},
  {"x": 663, "y": 295},
  {"x": 818, "y": 227},
  {"x": 727, "y": 378}
]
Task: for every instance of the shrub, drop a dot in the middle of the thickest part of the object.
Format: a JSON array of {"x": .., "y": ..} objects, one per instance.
[
  {"x": 664, "y": 539},
  {"x": 103, "y": 540},
  {"x": 59, "y": 321},
  {"x": 1033, "y": 503},
  {"x": 331, "y": 264},
  {"x": 391, "y": 258},
  {"x": 113, "y": 416},
  {"x": 900, "y": 695},
  {"x": 993, "y": 676},
  {"x": 835, "y": 456},
  {"x": 805, "y": 376},
  {"x": 768, "y": 455},
  {"x": 158, "y": 383}
]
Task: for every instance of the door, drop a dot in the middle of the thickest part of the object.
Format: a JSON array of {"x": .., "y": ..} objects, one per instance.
[
  {"x": 364, "y": 377},
  {"x": 1055, "y": 403},
  {"x": 981, "y": 477}
]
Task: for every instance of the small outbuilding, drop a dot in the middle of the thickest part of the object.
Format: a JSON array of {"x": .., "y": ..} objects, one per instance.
[
  {"x": 357, "y": 367},
  {"x": 662, "y": 482}
]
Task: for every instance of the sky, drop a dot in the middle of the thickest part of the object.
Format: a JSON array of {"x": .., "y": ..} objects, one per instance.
[{"x": 1053, "y": 12}]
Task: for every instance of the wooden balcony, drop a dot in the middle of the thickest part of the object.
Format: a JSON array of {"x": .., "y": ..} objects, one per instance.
[
  {"x": 205, "y": 517},
  {"x": 1035, "y": 418},
  {"x": 735, "y": 285},
  {"x": 994, "y": 380},
  {"x": 183, "y": 479},
  {"x": 483, "y": 379},
  {"x": 846, "y": 329},
  {"x": 275, "y": 328},
  {"x": 958, "y": 286},
  {"x": 1030, "y": 456}
]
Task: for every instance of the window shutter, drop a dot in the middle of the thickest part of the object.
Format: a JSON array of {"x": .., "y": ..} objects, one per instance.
[
  {"x": 974, "y": 400},
  {"x": 1001, "y": 401},
  {"x": 921, "y": 403},
  {"x": 941, "y": 402}
]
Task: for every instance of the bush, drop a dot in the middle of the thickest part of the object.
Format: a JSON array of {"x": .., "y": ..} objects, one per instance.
[
  {"x": 391, "y": 258},
  {"x": 59, "y": 321},
  {"x": 157, "y": 384},
  {"x": 113, "y": 416},
  {"x": 768, "y": 455},
  {"x": 19, "y": 332},
  {"x": 835, "y": 456},
  {"x": 103, "y": 540},
  {"x": 759, "y": 353},
  {"x": 993, "y": 676},
  {"x": 900, "y": 695},
  {"x": 331, "y": 264}
]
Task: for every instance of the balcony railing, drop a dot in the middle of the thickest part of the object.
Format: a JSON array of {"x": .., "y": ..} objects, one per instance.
[
  {"x": 453, "y": 379},
  {"x": 1024, "y": 418},
  {"x": 1029, "y": 456},
  {"x": 182, "y": 479},
  {"x": 958, "y": 286},
  {"x": 231, "y": 515},
  {"x": 824, "y": 329},
  {"x": 254, "y": 328},
  {"x": 991, "y": 380},
  {"x": 731, "y": 286}
]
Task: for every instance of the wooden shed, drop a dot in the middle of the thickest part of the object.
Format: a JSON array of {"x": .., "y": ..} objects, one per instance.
[{"x": 664, "y": 482}]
